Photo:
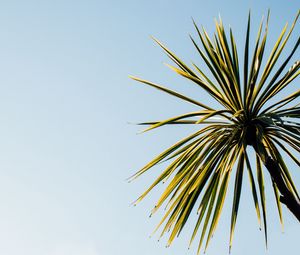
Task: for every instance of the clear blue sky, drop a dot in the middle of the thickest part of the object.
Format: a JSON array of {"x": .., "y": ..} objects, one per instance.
[{"x": 66, "y": 147}]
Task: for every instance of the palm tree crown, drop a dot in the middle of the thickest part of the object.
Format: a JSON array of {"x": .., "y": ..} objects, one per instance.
[{"x": 202, "y": 163}]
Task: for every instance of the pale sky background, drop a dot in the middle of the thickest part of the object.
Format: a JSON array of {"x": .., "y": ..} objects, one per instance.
[{"x": 66, "y": 147}]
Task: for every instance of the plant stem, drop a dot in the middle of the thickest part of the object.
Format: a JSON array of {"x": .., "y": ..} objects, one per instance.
[{"x": 287, "y": 197}]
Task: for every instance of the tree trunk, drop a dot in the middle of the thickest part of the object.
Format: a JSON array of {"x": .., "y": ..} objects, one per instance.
[{"x": 287, "y": 197}]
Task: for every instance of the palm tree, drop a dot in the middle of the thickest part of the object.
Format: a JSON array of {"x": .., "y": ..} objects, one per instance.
[{"x": 247, "y": 116}]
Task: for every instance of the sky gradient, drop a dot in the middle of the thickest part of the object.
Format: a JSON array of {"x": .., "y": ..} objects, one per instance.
[{"x": 67, "y": 139}]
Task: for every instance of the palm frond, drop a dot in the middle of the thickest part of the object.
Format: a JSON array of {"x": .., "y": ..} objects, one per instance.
[{"x": 201, "y": 164}]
